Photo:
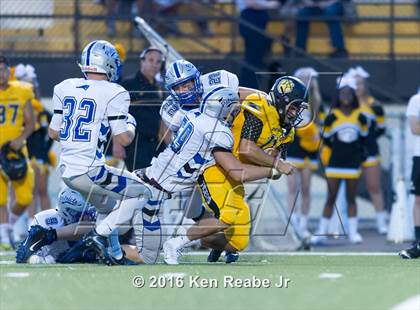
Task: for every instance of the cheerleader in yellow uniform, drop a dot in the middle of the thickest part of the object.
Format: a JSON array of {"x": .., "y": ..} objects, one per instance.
[
  {"x": 303, "y": 153},
  {"x": 371, "y": 166},
  {"x": 343, "y": 152}
]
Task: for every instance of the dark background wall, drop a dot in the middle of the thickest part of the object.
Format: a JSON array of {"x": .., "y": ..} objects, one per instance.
[{"x": 400, "y": 79}]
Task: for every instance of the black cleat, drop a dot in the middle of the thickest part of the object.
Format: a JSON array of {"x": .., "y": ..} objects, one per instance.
[
  {"x": 100, "y": 244},
  {"x": 231, "y": 257},
  {"x": 38, "y": 237},
  {"x": 214, "y": 256},
  {"x": 411, "y": 253}
]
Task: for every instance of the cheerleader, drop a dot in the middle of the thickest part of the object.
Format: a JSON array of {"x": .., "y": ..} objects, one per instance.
[{"x": 343, "y": 152}]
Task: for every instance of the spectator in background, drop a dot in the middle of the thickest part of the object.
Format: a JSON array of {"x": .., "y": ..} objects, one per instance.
[
  {"x": 413, "y": 116},
  {"x": 146, "y": 98},
  {"x": 256, "y": 45},
  {"x": 117, "y": 7},
  {"x": 172, "y": 8},
  {"x": 329, "y": 9},
  {"x": 374, "y": 112}
]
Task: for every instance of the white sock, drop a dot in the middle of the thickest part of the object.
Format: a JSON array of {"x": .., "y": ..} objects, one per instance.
[
  {"x": 303, "y": 223},
  {"x": 381, "y": 218},
  {"x": 294, "y": 220},
  {"x": 324, "y": 222},
  {"x": 4, "y": 233},
  {"x": 353, "y": 223},
  {"x": 121, "y": 214}
]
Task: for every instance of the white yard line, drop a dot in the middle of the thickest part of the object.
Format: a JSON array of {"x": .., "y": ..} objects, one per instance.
[
  {"x": 198, "y": 253},
  {"x": 17, "y": 274},
  {"x": 412, "y": 303}
]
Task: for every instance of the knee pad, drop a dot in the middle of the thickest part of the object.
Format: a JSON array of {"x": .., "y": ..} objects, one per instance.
[{"x": 24, "y": 197}]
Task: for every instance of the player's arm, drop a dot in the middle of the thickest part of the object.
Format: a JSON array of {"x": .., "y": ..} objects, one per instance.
[
  {"x": 57, "y": 118},
  {"x": 123, "y": 125},
  {"x": 249, "y": 149},
  {"x": 238, "y": 171}
]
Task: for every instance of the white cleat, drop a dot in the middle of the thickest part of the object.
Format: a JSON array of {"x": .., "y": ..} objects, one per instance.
[
  {"x": 318, "y": 240},
  {"x": 172, "y": 250},
  {"x": 356, "y": 238},
  {"x": 382, "y": 229}
]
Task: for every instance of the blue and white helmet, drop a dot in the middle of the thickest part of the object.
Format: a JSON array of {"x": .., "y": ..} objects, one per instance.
[
  {"x": 181, "y": 71},
  {"x": 71, "y": 206},
  {"x": 101, "y": 57},
  {"x": 221, "y": 103}
]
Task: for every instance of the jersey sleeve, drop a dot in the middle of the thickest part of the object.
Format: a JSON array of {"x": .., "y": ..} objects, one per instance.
[
  {"x": 252, "y": 128},
  {"x": 117, "y": 112},
  {"x": 171, "y": 114},
  {"x": 57, "y": 118},
  {"x": 220, "y": 78},
  {"x": 220, "y": 140}
]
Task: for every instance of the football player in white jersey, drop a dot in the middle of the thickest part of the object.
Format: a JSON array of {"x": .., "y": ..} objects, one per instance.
[
  {"x": 85, "y": 110},
  {"x": 186, "y": 86},
  {"x": 71, "y": 208},
  {"x": 204, "y": 136}
]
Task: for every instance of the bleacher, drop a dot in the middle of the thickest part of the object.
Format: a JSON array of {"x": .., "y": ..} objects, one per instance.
[{"x": 374, "y": 35}]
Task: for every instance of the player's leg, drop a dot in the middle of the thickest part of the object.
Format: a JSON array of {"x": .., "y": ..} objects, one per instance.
[
  {"x": 351, "y": 192},
  {"x": 372, "y": 175},
  {"x": 23, "y": 194},
  {"x": 414, "y": 251}
]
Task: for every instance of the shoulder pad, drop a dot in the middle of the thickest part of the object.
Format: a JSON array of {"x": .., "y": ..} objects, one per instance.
[{"x": 255, "y": 103}]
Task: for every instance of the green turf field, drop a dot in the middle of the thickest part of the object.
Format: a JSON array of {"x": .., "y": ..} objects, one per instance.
[{"x": 316, "y": 282}]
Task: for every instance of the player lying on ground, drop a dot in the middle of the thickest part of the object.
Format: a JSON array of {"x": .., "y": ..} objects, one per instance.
[
  {"x": 257, "y": 128},
  {"x": 265, "y": 123},
  {"x": 71, "y": 208}
]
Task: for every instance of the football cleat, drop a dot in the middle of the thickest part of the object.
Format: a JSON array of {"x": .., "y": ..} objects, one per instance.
[
  {"x": 100, "y": 244},
  {"x": 78, "y": 253},
  {"x": 411, "y": 253},
  {"x": 172, "y": 250},
  {"x": 231, "y": 257},
  {"x": 318, "y": 240},
  {"x": 38, "y": 237},
  {"x": 214, "y": 256},
  {"x": 355, "y": 238}
]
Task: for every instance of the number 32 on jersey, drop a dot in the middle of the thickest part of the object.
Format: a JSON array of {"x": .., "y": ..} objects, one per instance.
[{"x": 74, "y": 127}]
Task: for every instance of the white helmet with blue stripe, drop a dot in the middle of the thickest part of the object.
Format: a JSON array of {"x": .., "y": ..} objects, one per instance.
[
  {"x": 179, "y": 72},
  {"x": 222, "y": 103},
  {"x": 101, "y": 57},
  {"x": 71, "y": 206}
]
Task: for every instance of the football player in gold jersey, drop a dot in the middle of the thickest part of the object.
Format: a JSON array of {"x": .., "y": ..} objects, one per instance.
[
  {"x": 16, "y": 124},
  {"x": 262, "y": 129}
]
